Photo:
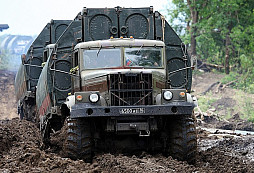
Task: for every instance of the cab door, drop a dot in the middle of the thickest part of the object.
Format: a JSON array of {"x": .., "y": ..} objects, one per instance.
[{"x": 76, "y": 82}]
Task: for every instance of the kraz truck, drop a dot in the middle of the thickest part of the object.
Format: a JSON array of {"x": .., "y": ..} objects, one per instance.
[
  {"x": 119, "y": 79},
  {"x": 30, "y": 69}
]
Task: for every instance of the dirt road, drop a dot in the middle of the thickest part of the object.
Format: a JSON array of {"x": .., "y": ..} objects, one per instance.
[
  {"x": 7, "y": 100},
  {"x": 21, "y": 150}
]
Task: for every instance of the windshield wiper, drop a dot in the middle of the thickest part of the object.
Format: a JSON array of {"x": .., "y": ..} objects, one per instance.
[
  {"x": 140, "y": 49},
  {"x": 99, "y": 51}
]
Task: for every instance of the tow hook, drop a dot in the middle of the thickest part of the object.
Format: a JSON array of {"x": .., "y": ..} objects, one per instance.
[
  {"x": 144, "y": 133},
  {"x": 141, "y": 132}
]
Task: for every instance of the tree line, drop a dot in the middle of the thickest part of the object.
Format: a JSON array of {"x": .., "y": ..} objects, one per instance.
[{"x": 218, "y": 31}]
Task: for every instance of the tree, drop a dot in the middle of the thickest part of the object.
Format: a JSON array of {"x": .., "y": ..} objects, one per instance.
[
  {"x": 215, "y": 28},
  {"x": 187, "y": 11}
]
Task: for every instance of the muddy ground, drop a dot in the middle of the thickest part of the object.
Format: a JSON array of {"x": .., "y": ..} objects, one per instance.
[
  {"x": 228, "y": 108},
  {"x": 7, "y": 99},
  {"x": 21, "y": 149}
]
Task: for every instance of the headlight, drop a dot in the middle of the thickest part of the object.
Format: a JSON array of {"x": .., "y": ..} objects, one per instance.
[
  {"x": 167, "y": 95},
  {"x": 94, "y": 98}
]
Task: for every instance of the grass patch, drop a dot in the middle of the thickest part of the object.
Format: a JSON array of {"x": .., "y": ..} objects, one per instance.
[
  {"x": 245, "y": 105},
  {"x": 9, "y": 61},
  {"x": 230, "y": 77},
  {"x": 242, "y": 81},
  {"x": 229, "y": 113},
  {"x": 248, "y": 109},
  {"x": 217, "y": 71},
  {"x": 205, "y": 102},
  {"x": 197, "y": 72}
]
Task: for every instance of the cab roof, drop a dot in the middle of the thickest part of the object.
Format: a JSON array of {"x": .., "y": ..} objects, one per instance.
[{"x": 117, "y": 42}]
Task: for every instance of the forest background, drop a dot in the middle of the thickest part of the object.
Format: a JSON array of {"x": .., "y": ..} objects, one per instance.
[{"x": 221, "y": 33}]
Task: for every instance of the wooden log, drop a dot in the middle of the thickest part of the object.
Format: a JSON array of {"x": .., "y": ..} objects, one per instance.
[
  {"x": 214, "y": 66},
  {"x": 218, "y": 87},
  {"x": 209, "y": 88},
  {"x": 227, "y": 84},
  {"x": 201, "y": 113}
]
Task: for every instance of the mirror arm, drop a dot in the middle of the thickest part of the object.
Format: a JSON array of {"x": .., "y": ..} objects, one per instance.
[
  {"x": 181, "y": 69},
  {"x": 60, "y": 71},
  {"x": 33, "y": 65}
]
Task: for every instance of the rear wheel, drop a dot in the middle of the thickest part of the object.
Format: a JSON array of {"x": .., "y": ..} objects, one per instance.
[
  {"x": 30, "y": 114},
  {"x": 183, "y": 139},
  {"x": 78, "y": 142},
  {"x": 27, "y": 111},
  {"x": 21, "y": 112}
]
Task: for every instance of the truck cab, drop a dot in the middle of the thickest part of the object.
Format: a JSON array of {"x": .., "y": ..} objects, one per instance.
[
  {"x": 120, "y": 87},
  {"x": 112, "y": 60},
  {"x": 123, "y": 72}
]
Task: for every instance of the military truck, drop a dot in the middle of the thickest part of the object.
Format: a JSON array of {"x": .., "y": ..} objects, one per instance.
[
  {"x": 30, "y": 69},
  {"x": 120, "y": 78}
]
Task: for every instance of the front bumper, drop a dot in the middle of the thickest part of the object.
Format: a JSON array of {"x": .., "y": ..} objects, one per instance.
[{"x": 90, "y": 110}]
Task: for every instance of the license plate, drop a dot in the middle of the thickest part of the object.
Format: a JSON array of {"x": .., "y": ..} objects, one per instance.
[{"x": 132, "y": 111}]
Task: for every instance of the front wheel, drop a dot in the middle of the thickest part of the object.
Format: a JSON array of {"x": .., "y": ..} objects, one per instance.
[
  {"x": 78, "y": 142},
  {"x": 183, "y": 139}
]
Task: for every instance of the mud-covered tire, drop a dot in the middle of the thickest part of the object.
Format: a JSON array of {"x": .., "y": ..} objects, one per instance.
[
  {"x": 28, "y": 112},
  {"x": 30, "y": 115},
  {"x": 21, "y": 112},
  {"x": 78, "y": 142},
  {"x": 183, "y": 139}
]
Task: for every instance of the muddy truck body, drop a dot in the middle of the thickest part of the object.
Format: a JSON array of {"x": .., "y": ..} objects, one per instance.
[
  {"x": 30, "y": 69},
  {"x": 121, "y": 79}
]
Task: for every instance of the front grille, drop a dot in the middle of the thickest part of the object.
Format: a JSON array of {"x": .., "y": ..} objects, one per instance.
[{"x": 131, "y": 89}]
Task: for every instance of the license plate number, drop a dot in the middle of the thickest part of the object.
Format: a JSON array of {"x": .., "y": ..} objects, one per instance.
[{"x": 132, "y": 111}]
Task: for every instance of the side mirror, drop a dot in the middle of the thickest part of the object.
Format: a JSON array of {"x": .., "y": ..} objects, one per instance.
[
  {"x": 43, "y": 64},
  {"x": 23, "y": 58},
  {"x": 73, "y": 70},
  {"x": 194, "y": 62}
]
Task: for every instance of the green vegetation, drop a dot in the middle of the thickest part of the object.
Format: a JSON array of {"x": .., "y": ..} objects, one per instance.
[
  {"x": 219, "y": 32},
  {"x": 222, "y": 33},
  {"x": 229, "y": 78},
  {"x": 3, "y": 60},
  {"x": 242, "y": 104},
  {"x": 205, "y": 102},
  {"x": 196, "y": 72},
  {"x": 249, "y": 110},
  {"x": 8, "y": 61},
  {"x": 246, "y": 107},
  {"x": 240, "y": 81}
]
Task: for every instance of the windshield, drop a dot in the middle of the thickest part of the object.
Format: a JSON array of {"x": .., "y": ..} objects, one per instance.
[
  {"x": 143, "y": 57},
  {"x": 102, "y": 58}
]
